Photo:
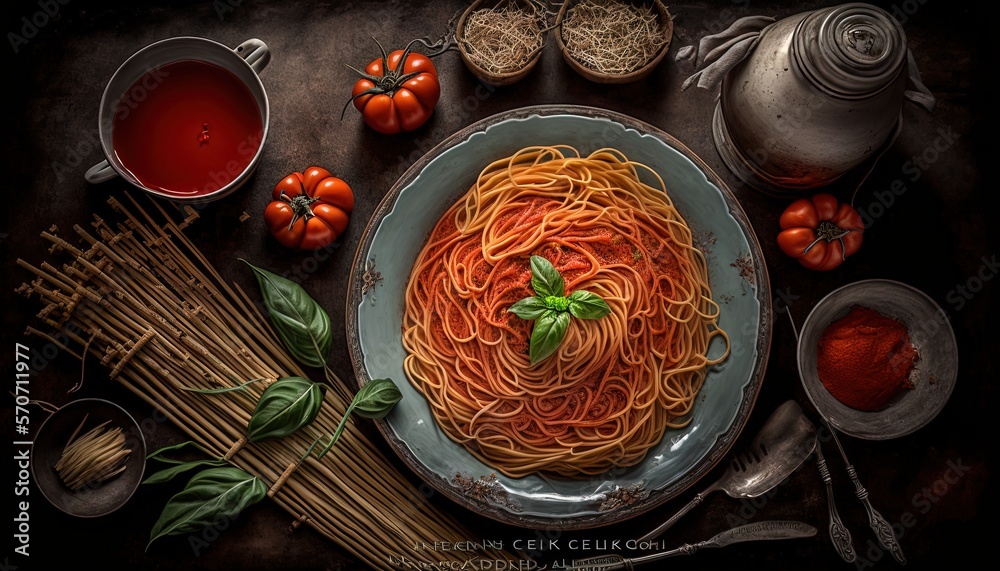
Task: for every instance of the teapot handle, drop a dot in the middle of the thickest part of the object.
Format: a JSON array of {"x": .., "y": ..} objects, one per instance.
[
  {"x": 920, "y": 94},
  {"x": 255, "y": 52},
  {"x": 100, "y": 172}
]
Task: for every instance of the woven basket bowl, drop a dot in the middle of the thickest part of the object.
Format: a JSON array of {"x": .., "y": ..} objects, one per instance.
[
  {"x": 505, "y": 78},
  {"x": 668, "y": 31}
]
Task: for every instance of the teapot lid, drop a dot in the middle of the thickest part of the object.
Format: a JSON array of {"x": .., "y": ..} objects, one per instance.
[{"x": 852, "y": 50}]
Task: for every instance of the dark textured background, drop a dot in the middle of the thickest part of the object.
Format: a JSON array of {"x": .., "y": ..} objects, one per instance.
[{"x": 939, "y": 235}]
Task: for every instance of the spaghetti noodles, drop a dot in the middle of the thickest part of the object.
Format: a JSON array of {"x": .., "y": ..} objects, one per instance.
[{"x": 615, "y": 384}]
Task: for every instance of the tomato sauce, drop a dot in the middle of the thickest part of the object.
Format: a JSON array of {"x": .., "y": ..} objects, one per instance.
[{"x": 187, "y": 128}]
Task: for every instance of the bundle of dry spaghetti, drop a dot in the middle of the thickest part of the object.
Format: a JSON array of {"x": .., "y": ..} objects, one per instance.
[
  {"x": 95, "y": 456},
  {"x": 141, "y": 298}
]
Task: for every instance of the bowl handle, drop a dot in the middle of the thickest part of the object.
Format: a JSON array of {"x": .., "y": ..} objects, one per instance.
[
  {"x": 255, "y": 53},
  {"x": 100, "y": 172}
]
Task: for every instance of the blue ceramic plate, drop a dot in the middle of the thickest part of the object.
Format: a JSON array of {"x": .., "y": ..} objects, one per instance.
[{"x": 737, "y": 274}]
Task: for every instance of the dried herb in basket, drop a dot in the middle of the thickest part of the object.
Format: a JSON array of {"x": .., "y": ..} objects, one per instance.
[
  {"x": 504, "y": 38},
  {"x": 613, "y": 37}
]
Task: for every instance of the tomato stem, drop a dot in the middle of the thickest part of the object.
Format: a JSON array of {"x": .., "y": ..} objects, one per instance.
[
  {"x": 829, "y": 231},
  {"x": 391, "y": 79},
  {"x": 300, "y": 206}
]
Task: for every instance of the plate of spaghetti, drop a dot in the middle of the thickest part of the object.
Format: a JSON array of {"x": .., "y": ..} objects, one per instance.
[{"x": 576, "y": 310}]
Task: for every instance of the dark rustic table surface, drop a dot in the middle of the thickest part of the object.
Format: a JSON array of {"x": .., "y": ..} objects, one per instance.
[{"x": 935, "y": 232}]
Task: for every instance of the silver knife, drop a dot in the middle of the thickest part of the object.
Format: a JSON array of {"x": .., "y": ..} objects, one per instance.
[{"x": 763, "y": 530}]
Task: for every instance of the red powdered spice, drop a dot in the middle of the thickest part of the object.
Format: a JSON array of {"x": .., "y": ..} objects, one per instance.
[{"x": 865, "y": 359}]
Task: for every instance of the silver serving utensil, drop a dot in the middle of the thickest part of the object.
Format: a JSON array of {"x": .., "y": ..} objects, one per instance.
[
  {"x": 764, "y": 530},
  {"x": 839, "y": 534},
  {"x": 883, "y": 530},
  {"x": 784, "y": 442}
]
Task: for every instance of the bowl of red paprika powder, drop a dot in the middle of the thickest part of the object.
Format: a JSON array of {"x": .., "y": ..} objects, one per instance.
[{"x": 878, "y": 358}]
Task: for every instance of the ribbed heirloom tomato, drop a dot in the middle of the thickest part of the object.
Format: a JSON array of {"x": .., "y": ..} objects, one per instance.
[
  {"x": 397, "y": 92},
  {"x": 309, "y": 209},
  {"x": 820, "y": 232}
]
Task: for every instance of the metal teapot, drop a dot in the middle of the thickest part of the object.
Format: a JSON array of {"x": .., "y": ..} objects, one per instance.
[{"x": 813, "y": 96}]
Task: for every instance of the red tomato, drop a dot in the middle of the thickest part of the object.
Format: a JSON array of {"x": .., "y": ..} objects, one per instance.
[
  {"x": 309, "y": 210},
  {"x": 397, "y": 92},
  {"x": 820, "y": 232}
]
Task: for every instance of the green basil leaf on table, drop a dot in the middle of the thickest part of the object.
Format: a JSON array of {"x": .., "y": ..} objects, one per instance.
[
  {"x": 374, "y": 400},
  {"x": 300, "y": 322},
  {"x": 167, "y": 474},
  {"x": 211, "y": 494},
  {"x": 178, "y": 466},
  {"x": 159, "y": 453},
  {"x": 528, "y": 308},
  {"x": 547, "y": 334},
  {"x": 587, "y": 305},
  {"x": 545, "y": 279},
  {"x": 285, "y": 406}
]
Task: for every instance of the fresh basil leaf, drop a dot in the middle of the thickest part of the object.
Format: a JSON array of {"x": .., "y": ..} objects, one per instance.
[
  {"x": 529, "y": 308},
  {"x": 300, "y": 322},
  {"x": 212, "y": 494},
  {"x": 167, "y": 474},
  {"x": 545, "y": 279},
  {"x": 376, "y": 398},
  {"x": 547, "y": 334},
  {"x": 285, "y": 406},
  {"x": 587, "y": 305},
  {"x": 158, "y": 454}
]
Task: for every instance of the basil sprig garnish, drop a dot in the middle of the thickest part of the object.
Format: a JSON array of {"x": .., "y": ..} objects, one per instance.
[{"x": 551, "y": 309}]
